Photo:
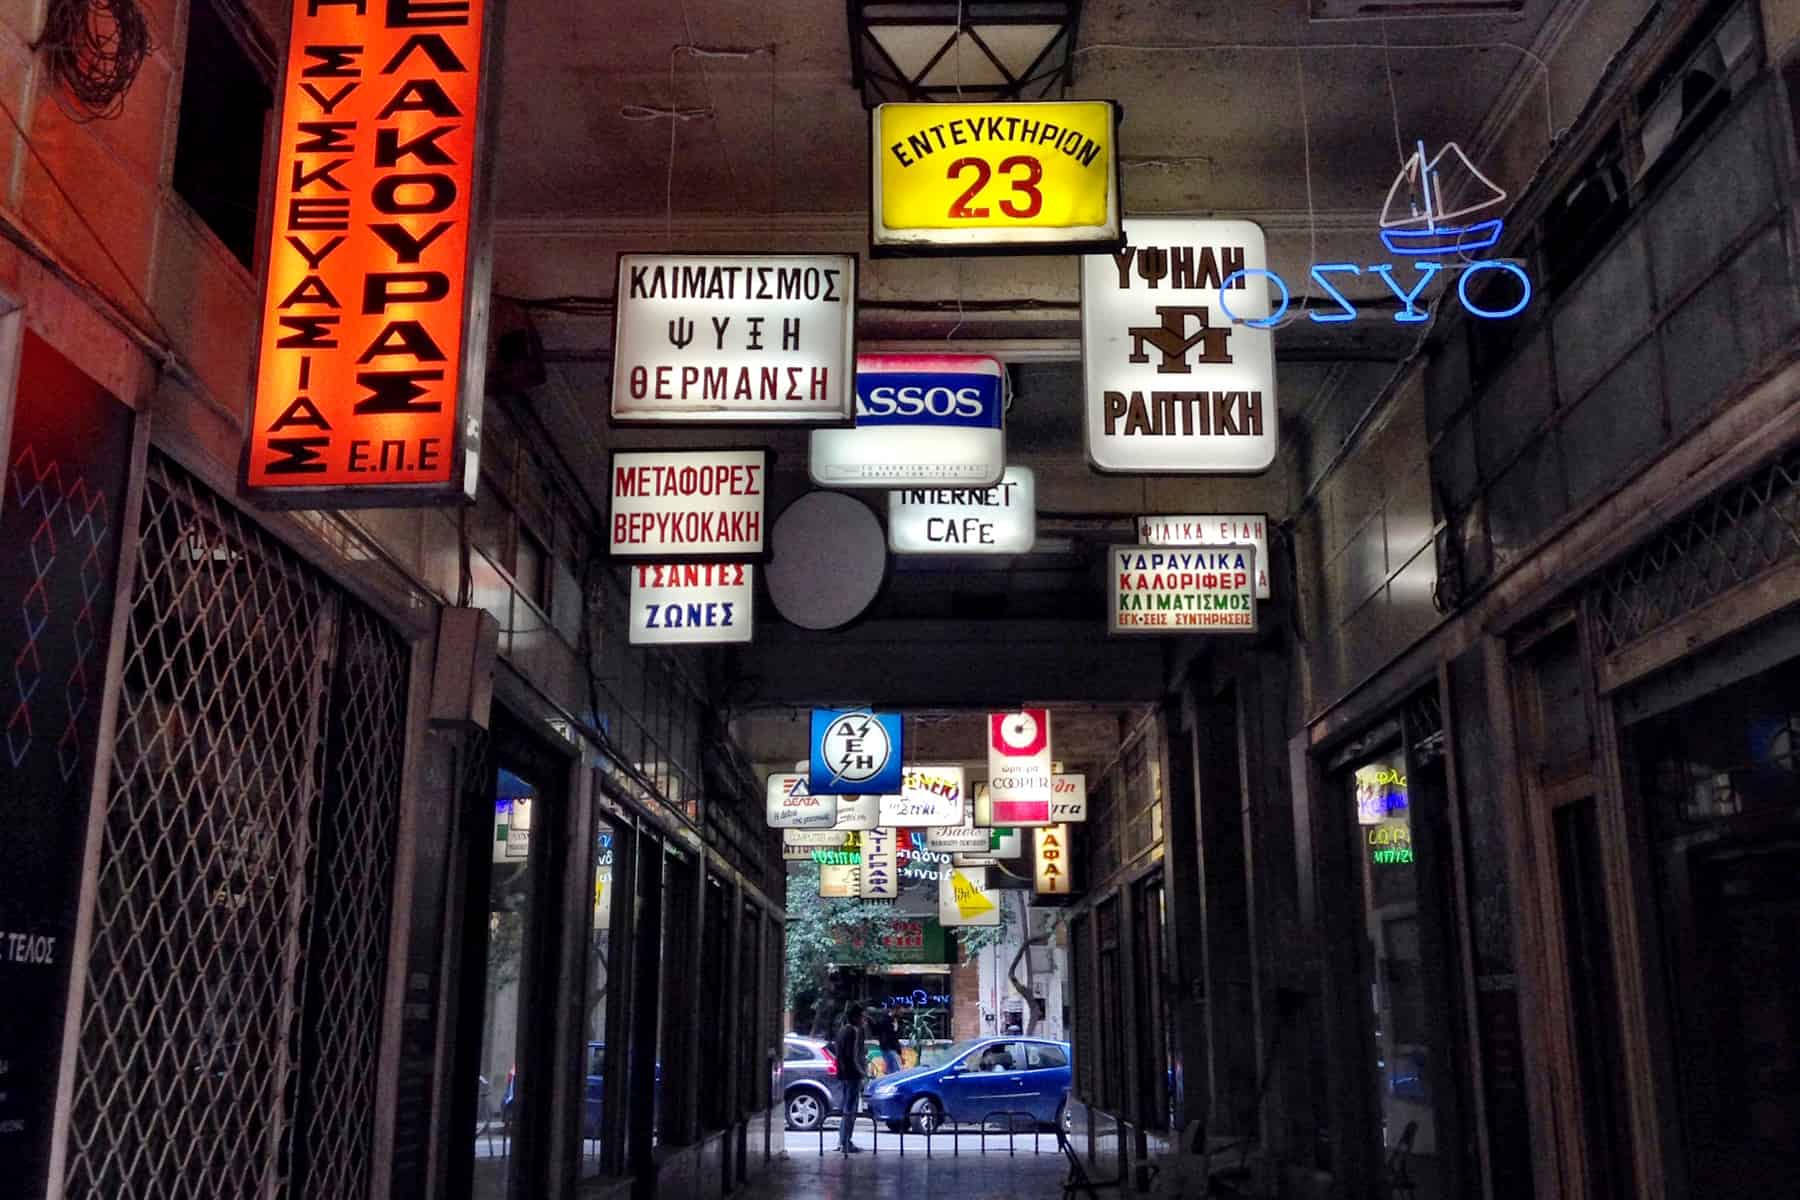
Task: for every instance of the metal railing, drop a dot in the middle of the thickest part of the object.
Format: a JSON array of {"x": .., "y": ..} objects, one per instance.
[{"x": 956, "y": 1130}]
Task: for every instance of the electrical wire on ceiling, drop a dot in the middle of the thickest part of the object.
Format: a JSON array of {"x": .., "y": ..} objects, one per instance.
[
  {"x": 95, "y": 49},
  {"x": 1287, "y": 47}
]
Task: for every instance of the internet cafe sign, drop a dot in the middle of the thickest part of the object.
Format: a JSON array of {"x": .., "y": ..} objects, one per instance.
[
  {"x": 1205, "y": 589},
  {"x": 1213, "y": 529},
  {"x": 687, "y": 505},
  {"x": 993, "y": 520},
  {"x": 372, "y": 330},
  {"x": 1018, "y": 176},
  {"x": 734, "y": 338},
  {"x": 1172, "y": 382},
  {"x": 922, "y": 420}
]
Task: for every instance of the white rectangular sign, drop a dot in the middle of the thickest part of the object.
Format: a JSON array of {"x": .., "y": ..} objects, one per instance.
[
  {"x": 1068, "y": 803},
  {"x": 1019, "y": 776},
  {"x": 964, "y": 897},
  {"x": 929, "y": 795},
  {"x": 922, "y": 420},
  {"x": 734, "y": 338},
  {"x": 965, "y": 838},
  {"x": 1175, "y": 378},
  {"x": 687, "y": 505},
  {"x": 858, "y": 812},
  {"x": 1206, "y": 589},
  {"x": 880, "y": 865},
  {"x": 1050, "y": 860},
  {"x": 791, "y": 806},
  {"x": 689, "y": 603},
  {"x": 839, "y": 881},
  {"x": 995, "y": 520},
  {"x": 816, "y": 839},
  {"x": 1213, "y": 529}
]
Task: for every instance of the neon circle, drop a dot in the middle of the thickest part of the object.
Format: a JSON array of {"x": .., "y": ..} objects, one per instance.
[
  {"x": 1260, "y": 322},
  {"x": 1462, "y": 290}
]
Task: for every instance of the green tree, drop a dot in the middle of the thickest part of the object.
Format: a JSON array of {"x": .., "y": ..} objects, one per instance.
[{"x": 825, "y": 933}]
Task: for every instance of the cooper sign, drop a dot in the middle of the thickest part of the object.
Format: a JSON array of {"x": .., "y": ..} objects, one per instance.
[
  {"x": 1172, "y": 383},
  {"x": 734, "y": 338},
  {"x": 373, "y": 329},
  {"x": 688, "y": 504}
]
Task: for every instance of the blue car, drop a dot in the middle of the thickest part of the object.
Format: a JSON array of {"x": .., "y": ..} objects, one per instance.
[
  {"x": 977, "y": 1079},
  {"x": 590, "y": 1110}
]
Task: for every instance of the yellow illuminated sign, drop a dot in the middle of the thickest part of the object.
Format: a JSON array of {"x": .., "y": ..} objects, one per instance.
[{"x": 966, "y": 176}]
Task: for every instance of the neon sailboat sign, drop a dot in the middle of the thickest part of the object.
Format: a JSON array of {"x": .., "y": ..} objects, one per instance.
[
  {"x": 1426, "y": 231},
  {"x": 1427, "y": 226}
]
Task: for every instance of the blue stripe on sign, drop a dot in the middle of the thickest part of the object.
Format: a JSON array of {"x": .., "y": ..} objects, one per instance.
[{"x": 905, "y": 398}]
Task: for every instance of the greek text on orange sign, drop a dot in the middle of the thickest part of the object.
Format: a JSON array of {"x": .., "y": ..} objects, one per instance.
[{"x": 360, "y": 357}]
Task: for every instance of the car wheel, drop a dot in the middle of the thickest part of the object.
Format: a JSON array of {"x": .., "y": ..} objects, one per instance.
[
  {"x": 804, "y": 1111},
  {"x": 925, "y": 1114},
  {"x": 1065, "y": 1120}
]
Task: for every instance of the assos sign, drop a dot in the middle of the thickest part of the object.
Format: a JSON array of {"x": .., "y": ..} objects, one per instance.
[
  {"x": 1207, "y": 589},
  {"x": 791, "y": 806},
  {"x": 994, "y": 520},
  {"x": 922, "y": 420},
  {"x": 949, "y": 178},
  {"x": 686, "y": 505},
  {"x": 1171, "y": 383},
  {"x": 689, "y": 603},
  {"x": 734, "y": 338},
  {"x": 373, "y": 331},
  {"x": 1249, "y": 529},
  {"x": 1019, "y": 767},
  {"x": 854, "y": 751}
]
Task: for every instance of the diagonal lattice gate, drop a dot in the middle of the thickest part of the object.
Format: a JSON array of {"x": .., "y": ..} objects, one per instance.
[{"x": 229, "y": 1041}]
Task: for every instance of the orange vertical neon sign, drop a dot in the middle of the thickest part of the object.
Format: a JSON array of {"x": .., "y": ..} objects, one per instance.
[{"x": 361, "y": 385}]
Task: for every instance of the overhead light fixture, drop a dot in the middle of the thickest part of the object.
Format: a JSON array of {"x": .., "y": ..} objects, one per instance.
[{"x": 974, "y": 50}]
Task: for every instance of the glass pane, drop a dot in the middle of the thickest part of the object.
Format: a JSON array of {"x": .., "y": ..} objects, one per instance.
[
  {"x": 1404, "y": 1056},
  {"x": 509, "y": 921},
  {"x": 599, "y": 978}
]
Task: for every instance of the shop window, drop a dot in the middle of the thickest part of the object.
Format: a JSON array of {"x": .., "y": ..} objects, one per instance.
[
  {"x": 225, "y": 102},
  {"x": 1719, "y": 774},
  {"x": 600, "y": 973},
  {"x": 1581, "y": 220}
]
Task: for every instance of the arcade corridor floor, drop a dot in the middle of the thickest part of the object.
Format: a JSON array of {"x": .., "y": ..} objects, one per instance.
[{"x": 806, "y": 1176}]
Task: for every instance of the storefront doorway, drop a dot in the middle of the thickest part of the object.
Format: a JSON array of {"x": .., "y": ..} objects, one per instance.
[{"x": 1720, "y": 777}]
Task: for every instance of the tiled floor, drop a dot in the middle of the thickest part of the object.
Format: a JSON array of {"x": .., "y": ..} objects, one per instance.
[{"x": 806, "y": 1176}]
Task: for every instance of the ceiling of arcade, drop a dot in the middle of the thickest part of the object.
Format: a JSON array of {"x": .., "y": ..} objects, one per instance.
[{"x": 1252, "y": 110}]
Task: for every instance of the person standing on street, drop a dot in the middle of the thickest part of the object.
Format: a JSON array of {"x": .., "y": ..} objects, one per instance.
[
  {"x": 887, "y": 1036},
  {"x": 851, "y": 1051}
]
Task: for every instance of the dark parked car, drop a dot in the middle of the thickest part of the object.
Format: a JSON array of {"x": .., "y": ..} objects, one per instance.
[
  {"x": 590, "y": 1108},
  {"x": 809, "y": 1085},
  {"x": 976, "y": 1079}
]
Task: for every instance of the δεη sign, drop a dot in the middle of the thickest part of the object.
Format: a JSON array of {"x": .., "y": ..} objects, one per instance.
[
  {"x": 1172, "y": 383},
  {"x": 1213, "y": 529},
  {"x": 734, "y": 338},
  {"x": 854, "y": 751},
  {"x": 922, "y": 420},
  {"x": 1206, "y": 589},
  {"x": 689, "y": 603},
  {"x": 1021, "y": 175},
  {"x": 1001, "y": 519},
  {"x": 688, "y": 505}
]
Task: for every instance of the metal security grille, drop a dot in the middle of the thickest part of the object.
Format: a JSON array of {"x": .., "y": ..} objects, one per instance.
[
  {"x": 1721, "y": 544},
  {"x": 233, "y": 996}
]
